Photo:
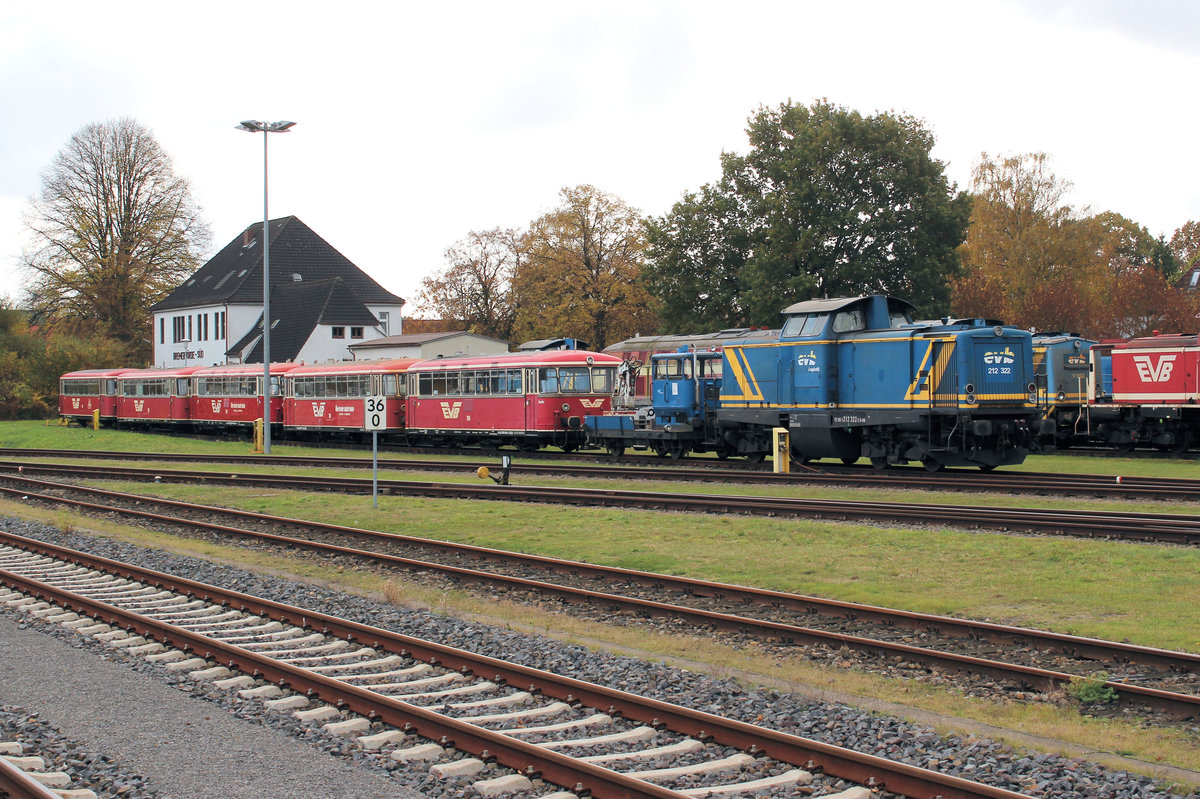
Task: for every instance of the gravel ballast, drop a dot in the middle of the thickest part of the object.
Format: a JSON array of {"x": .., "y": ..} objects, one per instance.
[{"x": 1037, "y": 775}]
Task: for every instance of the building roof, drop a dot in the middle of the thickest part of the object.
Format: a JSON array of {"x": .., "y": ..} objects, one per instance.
[
  {"x": 1190, "y": 279},
  {"x": 234, "y": 275},
  {"x": 296, "y": 310},
  {"x": 416, "y": 339}
]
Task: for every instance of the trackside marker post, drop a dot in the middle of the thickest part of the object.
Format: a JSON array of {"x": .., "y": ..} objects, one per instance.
[{"x": 373, "y": 419}]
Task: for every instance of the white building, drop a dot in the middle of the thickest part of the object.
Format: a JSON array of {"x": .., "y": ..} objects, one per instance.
[{"x": 321, "y": 303}]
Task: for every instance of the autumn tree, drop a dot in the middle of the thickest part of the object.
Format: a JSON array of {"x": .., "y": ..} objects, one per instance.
[
  {"x": 580, "y": 276},
  {"x": 1035, "y": 261},
  {"x": 1185, "y": 245},
  {"x": 114, "y": 230},
  {"x": 827, "y": 202},
  {"x": 476, "y": 285}
]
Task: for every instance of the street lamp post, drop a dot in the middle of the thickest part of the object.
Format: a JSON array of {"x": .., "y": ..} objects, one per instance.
[{"x": 254, "y": 126}]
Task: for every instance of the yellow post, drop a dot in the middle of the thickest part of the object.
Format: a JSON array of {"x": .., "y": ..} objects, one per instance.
[
  {"x": 258, "y": 436},
  {"x": 96, "y": 419},
  {"x": 782, "y": 447}
]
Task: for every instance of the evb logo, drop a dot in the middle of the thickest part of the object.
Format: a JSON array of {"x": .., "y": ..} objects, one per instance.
[
  {"x": 318, "y": 409},
  {"x": 450, "y": 410},
  {"x": 1151, "y": 372}
]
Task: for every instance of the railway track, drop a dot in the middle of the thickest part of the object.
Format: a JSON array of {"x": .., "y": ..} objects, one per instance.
[
  {"x": 1155, "y": 527},
  {"x": 24, "y": 776},
  {"x": 1038, "y": 483},
  {"x": 472, "y": 712},
  {"x": 1148, "y": 679}
]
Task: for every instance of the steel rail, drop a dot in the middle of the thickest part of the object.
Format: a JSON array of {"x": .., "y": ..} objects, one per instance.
[
  {"x": 17, "y": 784},
  {"x": 560, "y": 769},
  {"x": 1080, "y": 646},
  {"x": 901, "y": 478},
  {"x": 1161, "y": 527},
  {"x": 1177, "y": 704}
]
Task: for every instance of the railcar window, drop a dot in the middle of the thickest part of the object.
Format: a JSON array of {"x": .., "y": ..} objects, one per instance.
[
  {"x": 499, "y": 382},
  {"x": 514, "y": 382},
  {"x": 847, "y": 321},
  {"x": 548, "y": 381},
  {"x": 710, "y": 367},
  {"x": 81, "y": 388},
  {"x": 575, "y": 380},
  {"x": 110, "y": 388},
  {"x": 439, "y": 385},
  {"x": 603, "y": 379},
  {"x": 391, "y": 386}
]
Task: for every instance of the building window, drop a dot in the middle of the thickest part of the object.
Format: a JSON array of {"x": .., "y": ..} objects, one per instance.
[
  {"x": 162, "y": 330},
  {"x": 356, "y": 332},
  {"x": 339, "y": 332},
  {"x": 383, "y": 321},
  {"x": 204, "y": 328},
  {"x": 177, "y": 329},
  {"x": 221, "y": 325},
  {"x": 189, "y": 335}
]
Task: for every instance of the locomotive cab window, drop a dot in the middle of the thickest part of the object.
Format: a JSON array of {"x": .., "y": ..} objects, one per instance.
[
  {"x": 673, "y": 369},
  {"x": 850, "y": 320},
  {"x": 812, "y": 324}
]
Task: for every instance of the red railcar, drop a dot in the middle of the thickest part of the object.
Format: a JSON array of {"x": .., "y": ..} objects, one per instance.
[
  {"x": 155, "y": 396},
  {"x": 231, "y": 396},
  {"x": 332, "y": 397},
  {"x": 80, "y": 393},
  {"x": 525, "y": 400}
]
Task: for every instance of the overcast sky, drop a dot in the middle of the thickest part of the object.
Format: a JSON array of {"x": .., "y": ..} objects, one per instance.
[{"x": 417, "y": 123}]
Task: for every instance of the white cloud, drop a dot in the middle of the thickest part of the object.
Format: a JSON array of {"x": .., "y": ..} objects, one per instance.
[{"x": 418, "y": 123}]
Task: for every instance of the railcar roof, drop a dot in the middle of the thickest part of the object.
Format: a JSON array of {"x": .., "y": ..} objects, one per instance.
[
  {"x": 93, "y": 373},
  {"x": 513, "y": 359},
  {"x": 354, "y": 367},
  {"x": 239, "y": 369},
  {"x": 151, "y": 374}
]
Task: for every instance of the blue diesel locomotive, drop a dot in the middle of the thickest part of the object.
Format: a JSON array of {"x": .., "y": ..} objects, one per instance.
[{"x": 848, "y": 378}]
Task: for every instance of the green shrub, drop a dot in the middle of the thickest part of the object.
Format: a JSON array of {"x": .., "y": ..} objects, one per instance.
[{"x": 1092, "y": 690}]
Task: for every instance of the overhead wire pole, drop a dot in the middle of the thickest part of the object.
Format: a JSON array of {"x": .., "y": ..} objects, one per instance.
[{"x": 254, "y": 126}]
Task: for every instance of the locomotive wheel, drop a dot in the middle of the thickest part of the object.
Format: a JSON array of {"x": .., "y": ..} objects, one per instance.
[
  {"x": 879, "y": 463},
  {"x": 615, "y": 449},
  {"x": 678, "y": 452},
  {"x": 986, "y": 467},
  {"x": 756, "y": 457},
  {"x": 660, "y": 450},
  {"x": 850, "y": 461},
  {"x": 931, "y": 465}
]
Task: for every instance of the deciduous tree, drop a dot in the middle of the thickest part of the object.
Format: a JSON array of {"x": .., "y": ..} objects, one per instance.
[
  {"x": 114, "y": 230},
  {"x": 826, "y": 202},
  {"x": 476, "y": 286},
  {"x": 1035, "y": 261},
  {"x": 581, "y": 271}
]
